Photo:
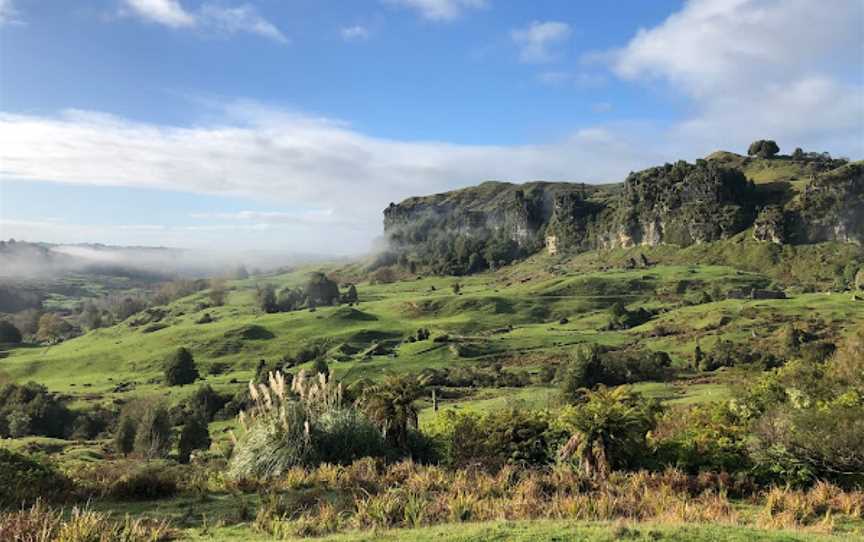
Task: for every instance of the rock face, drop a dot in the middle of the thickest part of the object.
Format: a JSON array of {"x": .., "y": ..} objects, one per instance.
[
  {"x": 770, "y": 225},
  {"x": 516, "y": 211},
  {"x": 679, "y": 204},
  {"x": 831, "y": 207}
]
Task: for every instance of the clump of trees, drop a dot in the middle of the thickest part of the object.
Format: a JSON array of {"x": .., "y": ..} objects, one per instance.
[
  {"x": 593, "y": 365},
  {"x": 319, "y": 290},
  {"x": 30, "y": 409},
  {"x": 144, "y": 428}
]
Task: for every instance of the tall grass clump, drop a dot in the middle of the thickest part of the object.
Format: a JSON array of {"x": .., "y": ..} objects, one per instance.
[
  {"x": 299, "y": 426},
  {"x": 41, "y": 523}
]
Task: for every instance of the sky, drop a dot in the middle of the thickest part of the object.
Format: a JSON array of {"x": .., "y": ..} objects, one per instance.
[{"x": 291, "y": 124}]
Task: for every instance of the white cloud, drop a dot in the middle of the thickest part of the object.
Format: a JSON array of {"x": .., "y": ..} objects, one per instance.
[
  {"x": 8, "y": 13},
  {"x": 440, "y": 10},
  {"x": 208, "y": 17},
  {"x": 341, "y": 178},
  {"x": 759, "y": 68},
  {"x": 536, "y": 41},
  {"x": 167, "y": 12},
  {"x": 354, "y": 33}
]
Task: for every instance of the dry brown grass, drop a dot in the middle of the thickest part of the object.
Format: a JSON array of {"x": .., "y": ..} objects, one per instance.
[
  {"x": 41, "y": 523},
  {"x": 407, "y": 494}
]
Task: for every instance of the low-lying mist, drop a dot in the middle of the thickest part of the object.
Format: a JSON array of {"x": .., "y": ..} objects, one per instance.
[{"x": 40, "y": 261}]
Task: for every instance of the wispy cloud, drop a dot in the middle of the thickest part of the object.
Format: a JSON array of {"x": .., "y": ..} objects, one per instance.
[
  {"x": 208, "y": 17},
  {"x": 8, "y": 13},
  {"x": 354, "y": 33},
  {"x": 440, "y": 10},
  {"x": 537, "y": 41}
]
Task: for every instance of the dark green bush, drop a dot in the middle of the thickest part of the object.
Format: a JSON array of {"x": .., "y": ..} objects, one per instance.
[
  {"x": 30, "y": 409},
  {"x": 180, "y": 368},
  {"x": 193, "y": 436},
  {"x": 144, "y": 483},
  {"x": 343, "y": 435}
]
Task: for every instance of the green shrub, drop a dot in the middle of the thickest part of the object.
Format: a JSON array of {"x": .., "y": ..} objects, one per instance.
[
  {"x": 709, "y": 437},
  {"x": 344, "y": 435},
  {"x": 24, "y": 480},
  {"x": 506, "y": 437},
  {"x": 124, "y": 436},
  {"x": 144, "y": 483}
]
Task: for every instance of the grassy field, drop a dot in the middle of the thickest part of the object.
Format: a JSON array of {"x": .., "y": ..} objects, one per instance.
[{"x": 522, "y": 317}]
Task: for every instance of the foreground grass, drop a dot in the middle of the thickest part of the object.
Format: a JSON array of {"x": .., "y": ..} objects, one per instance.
[{"x": 559, "y": 531}]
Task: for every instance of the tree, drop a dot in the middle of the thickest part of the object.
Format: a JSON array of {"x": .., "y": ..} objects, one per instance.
[
  {"x": 582, "y": 373},
  {"x": 124, "y": 436},
  {"x": 193, "y": 436},
  {"x": 91, "y": 316},
  {"x": 153, "y": 434},
  {"x": 9, "y": 333},
  {"x": 351, "y": 294},
  {"x": 763, "y": 148},
  {"x": 180, "y": 368},
  {"x": 289, "y": 300},
  {"x": 609, "y": 430},
  {"x": 798, "y": 154},
  {"x": 390, "y": 404},
  {"x": 217, "y": 292},
  {"x": 27, "y": 321},
  {"x": 52, "y": 328},
  {"x": 266, "y": 297}
]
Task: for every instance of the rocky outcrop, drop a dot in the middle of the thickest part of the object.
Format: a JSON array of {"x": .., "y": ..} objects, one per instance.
[{"x": 681, "y": 204}]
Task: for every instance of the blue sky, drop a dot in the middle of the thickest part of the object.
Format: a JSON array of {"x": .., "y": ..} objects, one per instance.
[{"x": 290, "y": 124}]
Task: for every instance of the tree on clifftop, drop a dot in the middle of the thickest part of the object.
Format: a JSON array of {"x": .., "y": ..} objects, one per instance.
[{"x": 763, "y": 148}]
